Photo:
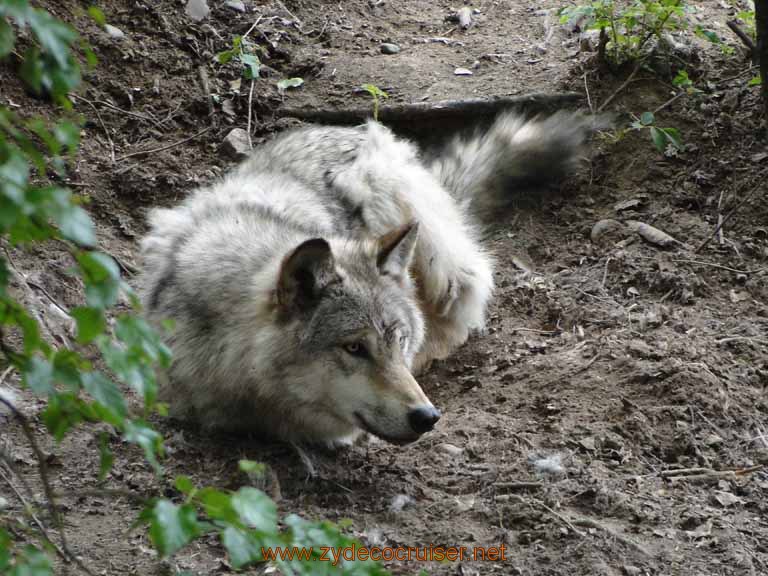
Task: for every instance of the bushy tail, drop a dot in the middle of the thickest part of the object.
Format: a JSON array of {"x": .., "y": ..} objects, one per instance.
[{"x": 515, "y": 158}]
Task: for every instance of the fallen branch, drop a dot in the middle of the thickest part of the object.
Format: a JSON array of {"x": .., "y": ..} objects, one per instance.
[
  {"x": 745, "y": 38},
  {"x": 620, "y": 88},
  {"x": 728, "y": 217},
  {"x": 705, "y": 475},
  {"x": 42, "y": 467},
  {"x": 430, "y": 111},
  {"x": 162, "y": 148}
]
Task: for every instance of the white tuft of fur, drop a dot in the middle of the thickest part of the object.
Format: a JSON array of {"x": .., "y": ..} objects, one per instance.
[
  {"x": 552, "y": 464},
  {"x": 399, "y": 502}
]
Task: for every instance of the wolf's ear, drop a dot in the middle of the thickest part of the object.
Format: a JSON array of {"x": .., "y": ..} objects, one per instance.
[
  {"x": 396, "y": 250},
  {"x": 305, "y": 271}
]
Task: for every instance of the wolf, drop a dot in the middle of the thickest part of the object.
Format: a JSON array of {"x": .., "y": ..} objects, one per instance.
[{"x": 311, "y": 284}]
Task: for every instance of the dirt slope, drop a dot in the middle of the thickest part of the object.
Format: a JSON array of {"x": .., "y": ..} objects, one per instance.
[{"x": 604, "y": 365}]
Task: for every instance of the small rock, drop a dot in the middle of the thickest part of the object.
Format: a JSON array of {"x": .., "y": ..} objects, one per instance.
[
  {"x": 3, "y": 503},
  {"x": 607, "y": 230},
  {"x": 725, "y": 499},
  {"x": 388, "y": 48},
  {"x": 399, "y": 502},
  {"x": 450, "y": 449},
  {"x": 236, "y": 5},
  {"x": 462, "y": 72},
  {"x": 197, "y": 10},
  {"x": 464, "y": 17},
  {"x": 235, "y": 145},
  {"x": 630, "y": 570},
  {"x": 114, "y": 32}
]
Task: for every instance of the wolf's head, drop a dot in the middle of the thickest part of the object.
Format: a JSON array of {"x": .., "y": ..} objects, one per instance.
[{"x": 357, "y": 325}]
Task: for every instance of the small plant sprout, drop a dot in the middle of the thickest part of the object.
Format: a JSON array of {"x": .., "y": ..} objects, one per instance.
[
  {"x": 629, "y": 29},
  {"x": 666, "y": 140},
  {"x": 244, "y": 52},
  {"x": 287, "y": 83},
  {"x": 375, "y": 93}
]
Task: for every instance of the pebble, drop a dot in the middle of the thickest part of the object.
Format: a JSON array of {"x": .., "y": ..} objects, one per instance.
[
  {"x": 114, "y": 32},
  {"x": 462, "y": 72},
  {"x": 236, "y": 5},
  {"x": 388, "y": 48},
  {"x": 235, "y": 145}
]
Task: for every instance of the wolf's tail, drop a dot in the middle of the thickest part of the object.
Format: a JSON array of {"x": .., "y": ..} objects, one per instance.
[{"x": 515, "y": 158}]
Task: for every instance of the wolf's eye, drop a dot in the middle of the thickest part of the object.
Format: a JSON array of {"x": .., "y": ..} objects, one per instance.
[{"x": 356, "y": 349}]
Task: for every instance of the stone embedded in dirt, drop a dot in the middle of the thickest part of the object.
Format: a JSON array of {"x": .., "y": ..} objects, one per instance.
[
  {"x": 628, "y": 204},
  {"x": 588, "y": 444},
  {"x": 114, "y": 32},
  {"x": 197, "y": 10},
  {"x": 236, "y": 144},
  {"x": 462, "y": 72},
  {"x": 236, "y": 5},
  {"x": 464, "y": 17},
  {"x": 389, "y": 48},
  {"x": 652, "y": 234},
  {"x": 607, "y": 230},
  {"x": 399, "y": 502},
  {"x": 450, "y": 449},
  {"x": 725, "y": 499}
]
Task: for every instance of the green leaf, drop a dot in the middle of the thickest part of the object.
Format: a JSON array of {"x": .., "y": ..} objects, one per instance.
[
  {"x": 255, "y": 509},
  {"x": 681, "y": 79},
  {"x": 241, "y": 547},
  {"x": 38, "y": 376},
  {"x": 218, "y": 505},
  {"x": 62, "y": 413},
  {"x": 98, "y": 16},
  {"x": 32, "y": 562},
  {"x": 285, "y": 84},
  {"x": 90, "y": 323},
  {"x": 659, "y": 139},
  {"x": 75, "y": 224},
  {"x": 172, "y": 527},
  {"x": 756, "y": 81},
  {"x": 67, "y": 134},
  {"x": 106, "y": 394},
  {"x": 106, "y": 457},
  {"x": 184, "y": 484},
  {"x": 102, "y": 279},
  {"x": 673, "y": 136},
  {"x": 252, "y": 65},
  {"x": 53, "y": 35},
  {"x": 7, "y": 38},
  {"x": 149, "y": 440},
  {"x": 646, "y": 118},
  {"x": 251, "y": 467}
]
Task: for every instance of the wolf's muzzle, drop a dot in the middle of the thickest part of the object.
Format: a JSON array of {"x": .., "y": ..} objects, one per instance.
[{"x": 423, "y": 418}]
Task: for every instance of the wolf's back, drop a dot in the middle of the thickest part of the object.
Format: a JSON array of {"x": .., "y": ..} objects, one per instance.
[{"x": 500, "y": 167}]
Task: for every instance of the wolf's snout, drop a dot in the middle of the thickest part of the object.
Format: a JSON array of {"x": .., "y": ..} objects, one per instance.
[{"x": 423, "y": 418}]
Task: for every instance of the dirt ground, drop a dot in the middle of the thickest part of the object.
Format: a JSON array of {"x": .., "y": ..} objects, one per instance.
[{"x": 606, "y": 365}]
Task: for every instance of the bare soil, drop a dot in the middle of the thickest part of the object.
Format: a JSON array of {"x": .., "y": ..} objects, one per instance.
[{"x": 619, "y": 360}]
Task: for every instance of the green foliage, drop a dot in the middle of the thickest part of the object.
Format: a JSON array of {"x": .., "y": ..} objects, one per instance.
[
  {"x": 33, "y": 209},
  {"x": 285, "y": 84},
  {"x": 246, "y": 522},
  {"x": 628, "y": 29},
  {"x": 376, "y": 93},
  {"x": 666, "y": 140},
  {"x": 244, "y": 52}
]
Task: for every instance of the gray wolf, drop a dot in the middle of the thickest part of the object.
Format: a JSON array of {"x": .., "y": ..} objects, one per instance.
[{"x": 308, "y": 286}]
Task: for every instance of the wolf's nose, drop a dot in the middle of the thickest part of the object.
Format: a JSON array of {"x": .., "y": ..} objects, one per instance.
[{"x": 423, "y": 419}]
